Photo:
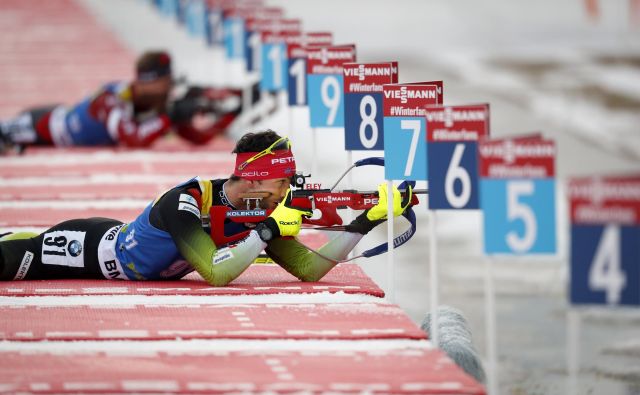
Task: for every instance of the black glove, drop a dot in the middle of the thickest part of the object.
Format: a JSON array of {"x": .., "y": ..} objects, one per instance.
[
  {"x": 362, "y": 224},
  {"x": 193, "y": 101},
  {"x": 182, "y": 110}
]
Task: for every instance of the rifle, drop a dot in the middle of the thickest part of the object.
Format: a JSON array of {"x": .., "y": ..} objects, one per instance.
[
  {"x": 326, "y": 201},
  {"x": 204, "y": 100}
]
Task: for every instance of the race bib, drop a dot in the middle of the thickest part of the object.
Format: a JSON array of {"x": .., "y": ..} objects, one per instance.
[{"x": 63, "y": 248}]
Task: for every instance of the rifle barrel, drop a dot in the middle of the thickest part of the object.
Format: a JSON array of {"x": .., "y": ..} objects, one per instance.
[{"x": 415, "y": 191}]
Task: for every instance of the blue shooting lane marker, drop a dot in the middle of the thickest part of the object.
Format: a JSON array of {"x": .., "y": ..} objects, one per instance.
[
  {"x": 452, "y": 152},
  {"x": 363, "y": 86},
  {"x": 325, "y": 84},
  {"x": 234, "y": 34},
  {"x": 405, "y": 146},
  {"x": 297, "y": 63},
  {"x": 517, "y": 196},
  {"x": 605, "y": 240}
]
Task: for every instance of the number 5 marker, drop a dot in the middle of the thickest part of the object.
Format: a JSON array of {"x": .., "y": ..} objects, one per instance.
[{"x": 517, "y": 195}]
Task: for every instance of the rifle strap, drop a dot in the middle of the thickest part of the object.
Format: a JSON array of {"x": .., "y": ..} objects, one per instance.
[{"x": 409, "y": 214}]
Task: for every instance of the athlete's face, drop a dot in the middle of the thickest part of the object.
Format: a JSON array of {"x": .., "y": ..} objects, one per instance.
[
  {"x": 153, "y": 94},
  {"x": 276, "y": 188}
]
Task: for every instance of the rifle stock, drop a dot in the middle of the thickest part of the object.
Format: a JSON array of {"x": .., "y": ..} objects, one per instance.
[{"x": 322, "y": 200}]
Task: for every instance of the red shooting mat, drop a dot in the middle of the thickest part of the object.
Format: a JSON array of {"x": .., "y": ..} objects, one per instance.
[
  {"x": 45, "y": 54},
  {"x": 207, "y": 371},
  {"x": 166, "y": 144},
  {"x": 87, "y": 191},
  {"x": 256, "y": 280},
  {"x": 168, "y": 322},
  {"x": 11, "y": 217},
  {"x": 119, "y": 165}
]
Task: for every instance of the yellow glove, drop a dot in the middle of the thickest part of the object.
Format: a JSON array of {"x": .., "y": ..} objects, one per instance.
[
  {"x": 286, "y": 220},
  {"x": 379, "y": 211},
  {"x": 377, "y": 214}
]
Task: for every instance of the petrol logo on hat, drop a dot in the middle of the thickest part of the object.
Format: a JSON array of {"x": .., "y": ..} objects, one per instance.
[{"x": 283, "y": 161}]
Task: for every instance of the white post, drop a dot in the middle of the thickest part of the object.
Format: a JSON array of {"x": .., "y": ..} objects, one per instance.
[
  {"x": 433, "y": 269},
  {"x": 573, "y": 350},
  {"x": 350, "y": 174},
  {"x": 283, "y": 103},
  {"x": 314, "y": 152},
  {"x": 247, "y": 93},
  {"x": 349, "y": 213},
  {"x": 391, "y": 281},
  {"x": 292, "y": 124},
  {"x": 490, "y": 312}
]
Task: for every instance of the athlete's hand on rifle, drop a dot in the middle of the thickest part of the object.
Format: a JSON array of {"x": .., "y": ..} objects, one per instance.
[
  {"x": 286, "y": 219},
  {"x": 377, "y": 214},
  {"x": 183, "y": 109}
]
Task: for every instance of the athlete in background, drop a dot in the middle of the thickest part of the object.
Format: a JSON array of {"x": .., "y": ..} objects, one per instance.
[
  {"x": 132, "y": 114},
  {"x": 168, "y": 239}
]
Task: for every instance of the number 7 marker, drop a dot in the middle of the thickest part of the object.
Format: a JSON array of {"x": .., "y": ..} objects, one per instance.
[{"x": 405, "y": 148}]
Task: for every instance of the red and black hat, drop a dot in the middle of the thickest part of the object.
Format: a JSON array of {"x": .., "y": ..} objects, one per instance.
[{"x": 153, "y": 65}]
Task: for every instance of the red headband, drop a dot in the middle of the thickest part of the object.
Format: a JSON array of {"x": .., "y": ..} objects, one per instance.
[{"x": 277, "y": 164}]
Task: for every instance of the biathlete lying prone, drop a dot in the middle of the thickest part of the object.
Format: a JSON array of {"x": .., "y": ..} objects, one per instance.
[{"x": 168, "y": 240}]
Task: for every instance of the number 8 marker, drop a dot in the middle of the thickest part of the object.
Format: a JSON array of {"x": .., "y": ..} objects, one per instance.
[
  {"x": 363, "y": 98},
  {"x": 368, "y": 121}
]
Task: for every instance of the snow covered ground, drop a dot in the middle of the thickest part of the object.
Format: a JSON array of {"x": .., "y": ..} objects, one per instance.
[{"x": 543, "y": 66}]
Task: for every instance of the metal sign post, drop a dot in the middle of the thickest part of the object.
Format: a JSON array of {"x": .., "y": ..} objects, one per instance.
[
  {"x": 517, "y": 197},
  {"x": 605, "y": 229},
  {"x": 405, "y": 148},
  {"x": 324, "y": 84}
]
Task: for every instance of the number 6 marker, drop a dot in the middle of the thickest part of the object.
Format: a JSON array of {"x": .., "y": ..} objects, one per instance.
[{"x": 452, "y": 144}]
